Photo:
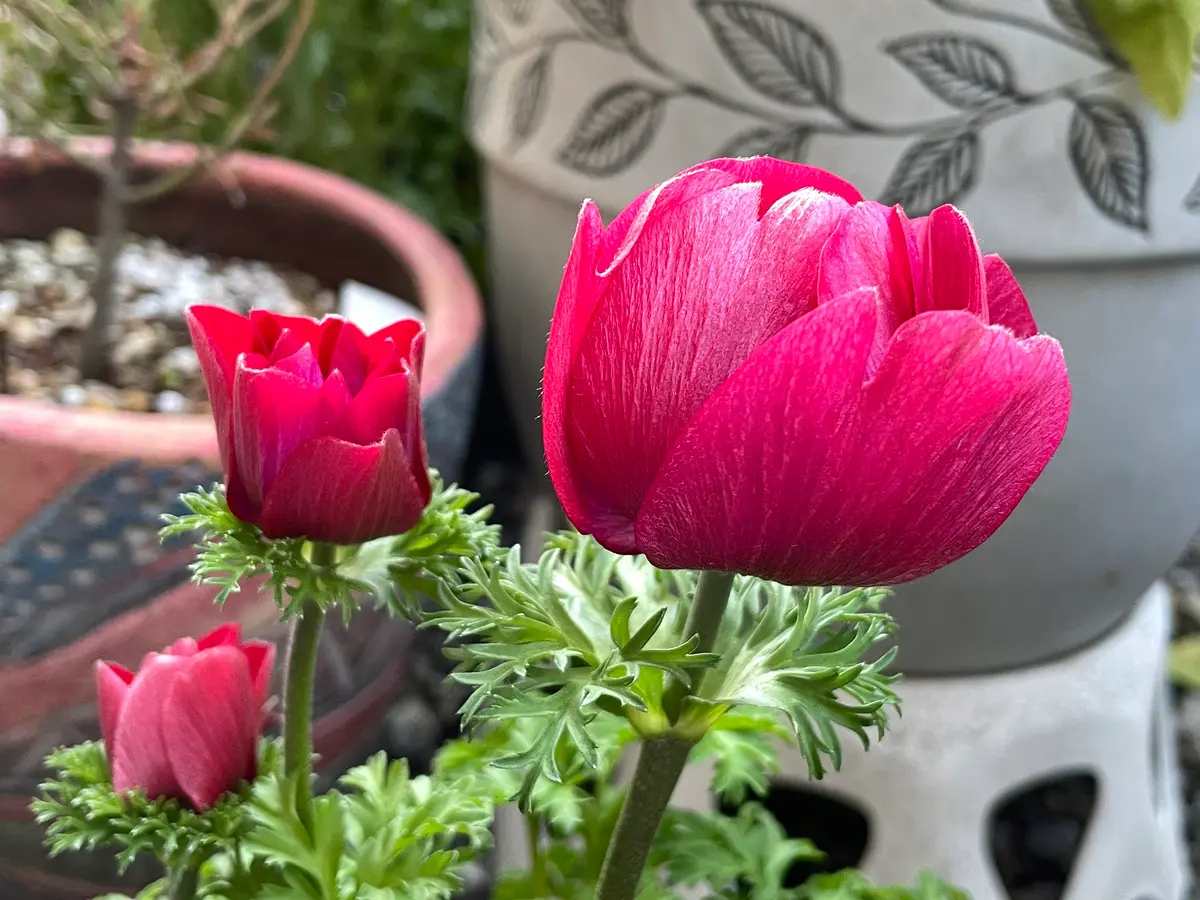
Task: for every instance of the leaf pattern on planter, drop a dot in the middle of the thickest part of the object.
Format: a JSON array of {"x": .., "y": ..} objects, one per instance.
[
  {"x": 936, "y": 170},
  {"x": 962, "y": 71},
  {"x": 608, "y": 18},
  {"x": 519, "y": 11},
  {"x": 1191, "y": 201},
  {"x": 1108, "y": 152},
  {"x": 782, "y": 143},
  {"x": 778, "y": 54},
  {"x": 1075, "y": 18},
  {"x": 529, "y": 97},
  {"x": 615, "y": 129}
]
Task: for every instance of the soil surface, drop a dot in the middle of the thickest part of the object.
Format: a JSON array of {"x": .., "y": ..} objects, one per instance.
[{"x": 45, "y": 305}]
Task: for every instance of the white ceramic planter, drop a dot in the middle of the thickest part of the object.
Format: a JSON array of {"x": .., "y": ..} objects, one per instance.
[{"x": 1010, "y": 109}]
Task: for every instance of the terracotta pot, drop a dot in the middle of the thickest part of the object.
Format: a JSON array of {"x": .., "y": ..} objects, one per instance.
[{"x": 82, "y": 575}]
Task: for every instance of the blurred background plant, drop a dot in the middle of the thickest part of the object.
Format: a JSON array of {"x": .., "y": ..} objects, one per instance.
[
  {"x": 375, "y": 93},
  {"x": 122, "y": 69}
]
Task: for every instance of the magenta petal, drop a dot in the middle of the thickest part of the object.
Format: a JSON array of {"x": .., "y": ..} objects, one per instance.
[
  {"x": 738, "y": 489},
  {"x": 407, "y": 338},
  {"x": 779, "y": 178},
  {"x": 303, "y": 364},
  {"x": 869, "y": 249},
  {"x": 381, "y": 404},
  {"x": 185, "y": 646},
  {"x": 270, "y": 327},
  {"x": 349, "y": 355},
  {"x": 335, "y": 491},
  {"x": 704, "y": 284},
  {"x": 112, "y": 686},
  {"x": 210, "y": 725},
  {"x": 952, "y": 264},
  {"x": 577, "y": 298},
  {"x": 260, "y": 657},
  {"x": 1006, "y": 301},
  {"x": 229, "y": 633},
  {"x": 964, "y": 418},
  {"x": 220, "y": 337},
  {"x": 139, "y": 756},
  {"x": 274, "y": 412}
]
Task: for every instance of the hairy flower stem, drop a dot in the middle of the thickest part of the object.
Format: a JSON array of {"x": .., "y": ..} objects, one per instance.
[
  {"x": 298, "y": 694},
  {"x": 182, "y": 883},
  {"x": 660, "y": 763}
]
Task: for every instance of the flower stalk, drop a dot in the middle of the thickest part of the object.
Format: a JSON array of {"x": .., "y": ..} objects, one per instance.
[
  {"x": 298, "y": 694},
  {"x": 660, "y": 762}
]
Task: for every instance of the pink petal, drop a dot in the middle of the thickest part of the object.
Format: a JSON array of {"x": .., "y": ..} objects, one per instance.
[
  {"x": 270, "y": 327},
  {"x": 738, "y": 490},
  {"x": 626, "y": 228},
  {"x": 139, "y": 756},
  {"x": 705, "y": 284},
  {"x": 577, "y": 298},
  {"x": 229, "y": 633},
  {"x": 407, "y": 337},
  {"x": 260, "y": 656},
  {"x": 779, "y": 178},
  {"x": 220, "y": 337},
  {"x": 952, "y": 265},
  {"x": 275, "y": 412},
  {"x": 112, "y": 687},
  {"x": 869, "y": 249},
  {"x": 343, "y": 493},
  {"x": 381, "y": 404},
  {"x": 1006, "y": 301},
  {"x": 185, "y": 646},
  {"x": 210, "y": 724},
  {"x": 302, "y": 363},
  {"x": 944, "y": 441},
  {"x": 349, "y": 354},
  {"x": 962, "y": 419}
]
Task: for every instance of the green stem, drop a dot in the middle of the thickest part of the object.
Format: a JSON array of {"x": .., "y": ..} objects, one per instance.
[
  {"x": 659, "y": 766},
  {"x": 660, "y": 763},
  {"x": 708, "y": 608},
  {"x": 182, "y": 883},
  {"x": 298, "y": 694},
  {"x": 533, "y": 825}
]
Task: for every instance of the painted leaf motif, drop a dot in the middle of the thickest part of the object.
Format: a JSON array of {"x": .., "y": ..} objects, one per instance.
[
  {"x": 519, "y": 11},
  {"x": 529, "y": 96},
  {"x": 778, "y": 54},
  {"x": 615, "y": 129},
  {"x": 608, "y": 18},
  {"x": 1192, "y": 201},
  {"x": 1108, "y": 152},
  {"x": 782, "y": 143},
  {"x": 962, "y": 71},
  {"x": 938, "y": 169}
]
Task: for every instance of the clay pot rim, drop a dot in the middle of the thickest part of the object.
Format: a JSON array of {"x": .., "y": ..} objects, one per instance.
[{"x": 446, "y": 294}]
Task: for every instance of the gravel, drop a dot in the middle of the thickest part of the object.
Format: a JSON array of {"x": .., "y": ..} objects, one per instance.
[{"x": 45, "y": 305}]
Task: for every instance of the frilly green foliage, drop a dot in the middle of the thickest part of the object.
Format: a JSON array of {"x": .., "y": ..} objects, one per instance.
[
  {"x": 393, "y": 570},
  {"x": 585, "y": 630},
  {"x": 385, "y": 836},
  {"x": 81, "y": 812}
]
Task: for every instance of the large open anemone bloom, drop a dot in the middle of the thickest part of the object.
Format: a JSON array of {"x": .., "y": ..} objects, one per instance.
[
  {"x": 186, "y": 724},
  {"x": 319, "y": 424},
  {"x": 753, "y": 370}
]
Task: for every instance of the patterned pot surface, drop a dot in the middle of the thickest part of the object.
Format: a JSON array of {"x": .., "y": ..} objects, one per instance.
[{"x": 1015, "y": 110}]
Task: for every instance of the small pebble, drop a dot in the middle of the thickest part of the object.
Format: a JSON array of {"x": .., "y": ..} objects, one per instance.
[
  {"x": 69, "y": 248},
  {"x": 72, "y": 395},
  {"x": 171, "y": 402},
  {"x": 45, "y": 296}
]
